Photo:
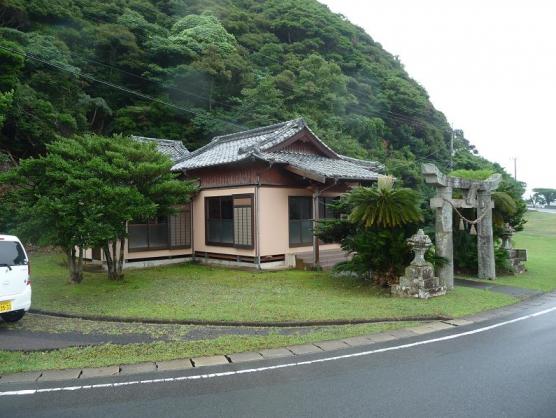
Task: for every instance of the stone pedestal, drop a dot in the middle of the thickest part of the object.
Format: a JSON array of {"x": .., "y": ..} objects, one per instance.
[
  {"x": 516, "y": 256},
  {"x": 419, "y": 280}
]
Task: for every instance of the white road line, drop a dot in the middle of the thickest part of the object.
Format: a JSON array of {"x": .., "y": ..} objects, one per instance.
[{"x": 280, "y": 366}]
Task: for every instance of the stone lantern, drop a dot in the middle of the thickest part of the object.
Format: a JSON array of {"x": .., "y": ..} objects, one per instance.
[
  {"x": 419, "y": 280},
  {"x": 516, "y": 256}
]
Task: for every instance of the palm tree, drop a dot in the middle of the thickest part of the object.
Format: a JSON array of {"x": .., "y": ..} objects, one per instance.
[
  {"x": 504, "y": 207},
  {"x": 384, "y": 206}
]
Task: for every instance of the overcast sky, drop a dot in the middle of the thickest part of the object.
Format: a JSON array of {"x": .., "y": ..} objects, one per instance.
[{"x": 490, "y": 66}]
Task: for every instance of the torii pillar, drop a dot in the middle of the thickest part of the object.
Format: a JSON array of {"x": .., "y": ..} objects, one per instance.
[
  {"x": 485, "y": 240},
  {"x": 478, "y": 195}
]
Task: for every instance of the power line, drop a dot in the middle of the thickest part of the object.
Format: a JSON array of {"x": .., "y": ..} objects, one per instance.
[
  {"x": 142, "y": 95},
  {"x": 187, "y": 93},
  {"x": 399, "y": 116},
  {"x": 112, "y": 85}
]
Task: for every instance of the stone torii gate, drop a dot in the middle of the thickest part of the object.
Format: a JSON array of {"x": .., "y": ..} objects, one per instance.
[{"x": 477, "y": 194}]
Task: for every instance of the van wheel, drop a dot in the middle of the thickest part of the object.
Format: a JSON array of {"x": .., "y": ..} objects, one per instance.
[{"x": 13, "y": 316}]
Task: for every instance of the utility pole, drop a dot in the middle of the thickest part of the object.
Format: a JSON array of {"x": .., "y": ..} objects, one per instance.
[
  {"x": 515, "y": 168},
  {"x": 452, "y": 148}
]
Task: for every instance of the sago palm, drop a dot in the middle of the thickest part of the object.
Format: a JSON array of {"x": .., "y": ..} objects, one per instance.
[
  {"x": 384, "y": 205},
  {"x": 504, "y": 207}
]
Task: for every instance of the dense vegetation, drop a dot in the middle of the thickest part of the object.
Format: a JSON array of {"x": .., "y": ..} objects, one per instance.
[
  {"x": 84, "y": 191},
  {"x": 71, "y": 66},
  {"x": 190, "y": 70}
]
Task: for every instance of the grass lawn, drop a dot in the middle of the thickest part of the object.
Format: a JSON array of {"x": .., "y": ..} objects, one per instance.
[
  {"x": 111, "y": 354},
  {"x": 191, "y": 291},
  {"x": 539, "y": 238}
]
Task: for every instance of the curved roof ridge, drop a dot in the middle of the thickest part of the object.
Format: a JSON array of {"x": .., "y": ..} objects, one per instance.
[
  {"x": 254, "y": 131},
  {"x": 277, "y": 127},
  {"x": 173, "y": 148}
]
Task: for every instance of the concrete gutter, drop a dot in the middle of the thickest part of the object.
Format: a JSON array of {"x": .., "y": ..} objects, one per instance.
[{"x": 261, "y": 324}]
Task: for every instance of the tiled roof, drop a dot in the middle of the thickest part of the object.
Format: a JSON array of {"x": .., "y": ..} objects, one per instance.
[
  {"x": 323, "y": 166},
  {"x": 173, "y": 149},
  {"x": 236, "y": 147},
  {"x": 258, "y": 143}
]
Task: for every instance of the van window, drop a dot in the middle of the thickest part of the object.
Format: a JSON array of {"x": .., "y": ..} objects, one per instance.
[{"x": 12, "y": 254}]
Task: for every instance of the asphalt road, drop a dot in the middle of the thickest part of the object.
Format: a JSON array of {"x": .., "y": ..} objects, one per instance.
[{"x": 507, "y": 371}]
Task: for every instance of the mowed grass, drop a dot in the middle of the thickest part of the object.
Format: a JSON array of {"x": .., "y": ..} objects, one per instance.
[
  {"x": 539, "y": 238},
  {"x": 191, "y": 291},
  {"x": 112, "y": 354}
]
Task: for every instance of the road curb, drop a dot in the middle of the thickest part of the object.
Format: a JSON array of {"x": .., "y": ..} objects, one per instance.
[
  {"x": 275, "y": 353},
  {"x": 258, "y": 324}
]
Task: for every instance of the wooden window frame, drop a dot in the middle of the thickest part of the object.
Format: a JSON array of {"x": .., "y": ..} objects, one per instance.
[
  {"x": 188, "y": 210},
  {"x": 232, "y": 244},
  {"x": 300, "y": 244}
]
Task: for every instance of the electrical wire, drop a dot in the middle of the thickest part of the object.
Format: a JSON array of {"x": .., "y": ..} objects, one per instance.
[{"x": 109, "y": 84}]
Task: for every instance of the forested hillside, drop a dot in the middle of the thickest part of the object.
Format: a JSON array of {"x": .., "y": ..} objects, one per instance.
[{"x": 193, "y": 69}]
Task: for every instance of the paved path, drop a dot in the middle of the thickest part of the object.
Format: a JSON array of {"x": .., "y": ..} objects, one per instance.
[
  {"x": 553, "y": 211},
  {"x": 41, "y": 332},
  {"x": 504, "y": 367}
]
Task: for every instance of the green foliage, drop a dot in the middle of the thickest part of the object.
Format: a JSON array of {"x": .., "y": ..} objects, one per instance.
[
  {"x": 82, "y": 193},
  {"x": 504, "y": 207},
  {"x": 384, "y": 206},
  {"x": 224, "y": 61},
  {"x": 228, "y": 64},
  {"x": 380, "y": 220},
  {"x": 546, "y": 195},
  {"x": 5, "y": 103},
  {"x": 200, "y": 33},
  {"x": 472, "y": 174},
  {"x": 466, "y": 257},
  {"x": 11, "y": 64}
]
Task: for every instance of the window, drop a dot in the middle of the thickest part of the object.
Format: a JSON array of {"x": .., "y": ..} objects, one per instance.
[
  {"x": 325, "y": 211},
  {"x": 163, "y": 232},
  {"x": 300, "y": 220},
  {"x": 12, "y": 254},
  {"x": 229, "y": 221},
  {"x": 180, "y": 228},
  {"x": 243, "y": 221}
]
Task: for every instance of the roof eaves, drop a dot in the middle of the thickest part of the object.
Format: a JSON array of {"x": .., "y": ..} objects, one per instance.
[{"x": 374, "y": 165}]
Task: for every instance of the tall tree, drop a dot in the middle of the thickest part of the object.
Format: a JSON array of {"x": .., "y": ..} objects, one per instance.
[
  {"x": 85, "y": 190},
  {"x": 548, "y": 195}
]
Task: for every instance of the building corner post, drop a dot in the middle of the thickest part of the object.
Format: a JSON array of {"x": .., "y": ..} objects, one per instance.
[{"x": 316, "y": 249}]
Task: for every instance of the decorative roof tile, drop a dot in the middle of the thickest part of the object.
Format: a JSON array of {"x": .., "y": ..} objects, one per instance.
[{"x": 173, "y": 149}]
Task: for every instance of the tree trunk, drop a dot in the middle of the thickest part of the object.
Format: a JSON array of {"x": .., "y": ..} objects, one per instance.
[
  {"x": 109, "y": 261},
  {"x": 120, "y": 264},
  {"x": 94, "y": 117},
  {"x": 75, "y": 265},
  {"x": 115, "y": 258}
]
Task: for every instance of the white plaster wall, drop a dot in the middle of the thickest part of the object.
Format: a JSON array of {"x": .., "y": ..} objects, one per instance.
[
  {"x": 274, "y": 224},
  {"x": 198, "y": 221}
]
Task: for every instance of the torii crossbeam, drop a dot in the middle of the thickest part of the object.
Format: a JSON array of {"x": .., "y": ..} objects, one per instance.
[{"x": 478, "y": 195}]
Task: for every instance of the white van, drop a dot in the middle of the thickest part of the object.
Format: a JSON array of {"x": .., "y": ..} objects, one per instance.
[{"x": 15, "y": 281}]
